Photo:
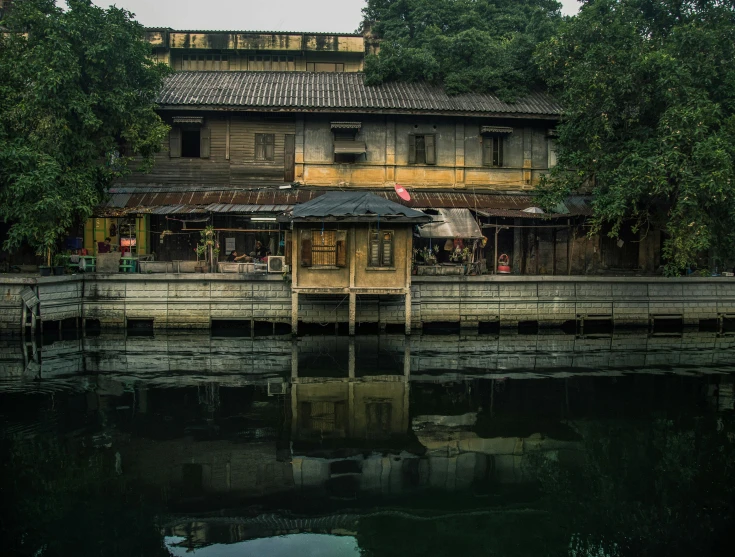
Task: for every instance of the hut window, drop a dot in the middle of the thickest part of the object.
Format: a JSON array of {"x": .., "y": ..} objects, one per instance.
[
  {"x": 190, "y": 143},
  {"x": 324, "y": 248},
  {"x": 492, "y": 150},
  {"x": 421, "y": 149},
  {"x": 264, "y": 146},
  {"x": 381, "y": 249}
]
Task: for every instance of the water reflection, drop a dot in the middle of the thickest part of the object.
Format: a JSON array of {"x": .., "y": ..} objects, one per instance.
[{"x": 381, "y": 445}]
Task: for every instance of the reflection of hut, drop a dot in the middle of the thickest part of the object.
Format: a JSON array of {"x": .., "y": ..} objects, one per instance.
[
  {"x": 352, "y": 243},
  {"x": 450, "y": 244}
]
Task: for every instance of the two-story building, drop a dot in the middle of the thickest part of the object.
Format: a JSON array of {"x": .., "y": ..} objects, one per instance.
[{"x": 261, "y": 122}]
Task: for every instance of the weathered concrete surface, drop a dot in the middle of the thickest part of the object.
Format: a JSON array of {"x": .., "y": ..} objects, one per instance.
[{"x": 194, "y": 300}]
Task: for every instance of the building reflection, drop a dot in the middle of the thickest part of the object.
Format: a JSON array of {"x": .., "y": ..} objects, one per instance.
[{"x": 313, "y": 423}]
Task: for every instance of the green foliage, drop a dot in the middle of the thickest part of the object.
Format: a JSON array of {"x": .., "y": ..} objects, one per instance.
[
  {"x": 648, "y": 89},
  {"x": 77, "y": 100},
  {"x": 466, "y": 45}
]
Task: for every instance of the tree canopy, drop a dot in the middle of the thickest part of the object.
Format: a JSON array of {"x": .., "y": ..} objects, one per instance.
[
  {"x": 466, "y": 45},
  {"x": 649, "y": 93},
  {"x": 77, "y": 100}
]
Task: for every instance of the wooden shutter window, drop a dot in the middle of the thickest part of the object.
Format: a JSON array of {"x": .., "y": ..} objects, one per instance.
[
  {"x": 205, "y": 135},
  {"x": 411, "y": 149},
  {"x": 341, "y": 248},
  {"x": 497, "y": 151},
  {"x": 430, "y": 145},
  {"x": 306, "y": 249},
  {"x": 386, "y": 252},
  {"x": 374, "y": 250},
  {"x": 287, "y": 249},
  {"x": 289, "y": 156},
  {"x": 174, "y": 143}
]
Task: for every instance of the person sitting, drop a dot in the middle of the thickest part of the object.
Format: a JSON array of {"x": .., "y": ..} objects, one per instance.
[
  {"x": 233, "y": 257},
  {"x": 261, "y": 252},
  {"x": 104, "y": 247}
]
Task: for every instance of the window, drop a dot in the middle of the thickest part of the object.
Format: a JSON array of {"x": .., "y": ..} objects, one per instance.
[
  {"x": 347, "y": 148},
  {"x": 552, "y": 152},
  {"x": 380, "y": 253},
  {"x": 378, "y": 418},
  {"x": 323, "y": 248},
  {"x": 492, "y": 150},
  {"x": 189, "y": 138},
  {"x": 264, "y": 146},
  {"x": 190, "y": 143},
  {"x": 421, "y": 149}
]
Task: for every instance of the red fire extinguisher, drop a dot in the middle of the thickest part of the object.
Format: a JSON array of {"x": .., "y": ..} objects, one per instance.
[{"x": 504, "y": 264}]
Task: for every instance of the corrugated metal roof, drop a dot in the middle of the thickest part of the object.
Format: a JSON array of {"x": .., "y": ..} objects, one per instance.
[
  {"x": 346, "y": 205},
  {"x": 451, "y": 223},
  {"x": 330, "y": 91},
  {"x": 189, "y": 199}
]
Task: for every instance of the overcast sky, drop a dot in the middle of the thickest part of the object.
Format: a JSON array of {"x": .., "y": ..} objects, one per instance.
[{"x": 338, "y": 16}]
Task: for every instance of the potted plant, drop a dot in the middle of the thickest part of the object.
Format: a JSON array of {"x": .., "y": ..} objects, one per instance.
[
  {"x": 59, "y": 264},
  {"x": 207, "y": 250},
  {"x": 45, "y": 270}
]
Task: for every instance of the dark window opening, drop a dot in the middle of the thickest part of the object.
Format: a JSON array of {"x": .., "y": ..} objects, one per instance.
[
  {"x": 265, "y": 146},
  {"x": 190, "y": 143},
  {"x": 421, "y": 149}
]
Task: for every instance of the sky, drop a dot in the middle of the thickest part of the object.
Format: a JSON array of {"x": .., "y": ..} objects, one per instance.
[{"x": 335, "y": 16}]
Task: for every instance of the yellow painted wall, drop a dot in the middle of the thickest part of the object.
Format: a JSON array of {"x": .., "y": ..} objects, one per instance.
[
  {"x": 357, "y": 248},
  {"x": 98, "y": 228}
]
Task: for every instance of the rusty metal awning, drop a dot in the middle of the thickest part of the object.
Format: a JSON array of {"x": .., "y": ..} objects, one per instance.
[
  {"x": 496, "y": 129},
  {"x": 450, "y": 223},
  {"x": 346, "y": 125},
  {"x": 161, "y": 200}
]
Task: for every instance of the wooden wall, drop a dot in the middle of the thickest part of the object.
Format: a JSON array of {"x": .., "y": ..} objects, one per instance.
[{"x": 459, "y": 158}]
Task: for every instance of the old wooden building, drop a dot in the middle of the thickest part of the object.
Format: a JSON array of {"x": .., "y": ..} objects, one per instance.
[{"x": 261, "y": 122}]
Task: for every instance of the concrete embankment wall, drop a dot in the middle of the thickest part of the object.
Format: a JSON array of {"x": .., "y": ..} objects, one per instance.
[{"x": 195, "y": 300}]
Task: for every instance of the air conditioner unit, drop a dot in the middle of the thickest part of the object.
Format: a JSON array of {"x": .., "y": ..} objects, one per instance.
[{"x": 276, "y": 263}]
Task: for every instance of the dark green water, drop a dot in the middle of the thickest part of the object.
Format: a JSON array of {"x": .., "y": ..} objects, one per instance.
[{"x": 116, "y": 445}]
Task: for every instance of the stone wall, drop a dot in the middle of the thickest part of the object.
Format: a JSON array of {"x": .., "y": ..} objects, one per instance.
[{"x": 190, "y": 301}]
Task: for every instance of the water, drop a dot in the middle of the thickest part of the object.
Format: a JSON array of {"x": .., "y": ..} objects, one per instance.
[{"x": 188, "y": 444}]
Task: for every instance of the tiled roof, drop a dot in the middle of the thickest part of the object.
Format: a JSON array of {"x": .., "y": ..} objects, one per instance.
[{"x": 335, "y": 91}]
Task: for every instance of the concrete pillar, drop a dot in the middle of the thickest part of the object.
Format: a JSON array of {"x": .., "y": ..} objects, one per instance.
[
  {"x": 351, "y": 359},
  {"x": 352, "y": 312},
  {"x": 408, "y": 312},
  {"x": 517, "y": 247},
  {"x": 294, "y": 313}
]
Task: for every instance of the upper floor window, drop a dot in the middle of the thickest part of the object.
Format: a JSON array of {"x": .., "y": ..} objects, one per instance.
[
  {"x": 422, "y": 149},
  {"x": 347, "y": 148},
  {"x": 552, "y": 136},
  {"x": 493, "y": 142},
  {"x": 492, "y": 150},
  {"x": 189, "y": 138},
  {"x": 265, "y": 146},
  {"x": 380, "y": 251}
]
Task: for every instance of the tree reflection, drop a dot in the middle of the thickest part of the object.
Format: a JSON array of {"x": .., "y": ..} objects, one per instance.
[{"x": 647, "y": 488}]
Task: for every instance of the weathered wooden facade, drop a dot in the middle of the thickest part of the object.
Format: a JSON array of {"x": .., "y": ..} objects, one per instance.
[
  {"x": 338, "y": 247},
  {"x": 249, "y": 141}
]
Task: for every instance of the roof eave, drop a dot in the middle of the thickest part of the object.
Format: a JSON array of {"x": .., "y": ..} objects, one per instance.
[{"x": 378, "y": 111}]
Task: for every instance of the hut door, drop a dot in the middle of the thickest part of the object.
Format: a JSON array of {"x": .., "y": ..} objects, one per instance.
[{"x": 289, "y": 157}]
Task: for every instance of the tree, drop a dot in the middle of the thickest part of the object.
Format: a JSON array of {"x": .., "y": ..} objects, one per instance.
[
  {"x": 77, "y": 100},
  {"x": 466, "y": 45},
  {"x": 648, "y": 90}
]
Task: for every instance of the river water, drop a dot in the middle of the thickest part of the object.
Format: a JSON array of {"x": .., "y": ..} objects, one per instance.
[{"x": 527, "y": 445}]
